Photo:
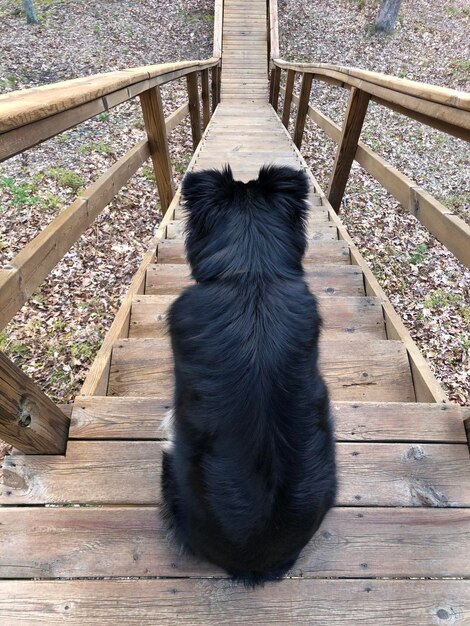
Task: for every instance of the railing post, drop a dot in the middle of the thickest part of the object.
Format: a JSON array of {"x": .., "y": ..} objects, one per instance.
[
  {"x": 194, "y": 112},
  {"x": 154, "y": 118},
  {"x": 29, "y": 421},
  {"x": 274, "y": 87},
  {"x": 288, "y": 97},
  {"x": 302, "y": 108},
  {"x": 347, "y": 146},
  {"x": 214, "y": 86},
  {"x": 206, "y": 110}
]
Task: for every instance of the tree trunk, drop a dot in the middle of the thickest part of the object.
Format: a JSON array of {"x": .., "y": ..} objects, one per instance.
[
  {"x": 31, "y": 17},
  {"x": 388, "y": 15}
]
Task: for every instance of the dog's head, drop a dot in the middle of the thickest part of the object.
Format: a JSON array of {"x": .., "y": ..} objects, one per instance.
[{"x": 237, "y": 228}]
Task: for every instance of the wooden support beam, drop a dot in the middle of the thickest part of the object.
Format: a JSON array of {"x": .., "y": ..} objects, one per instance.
[
  {"x": 194, "y": 112},
  {"x": 29, "y": 421},
  {"x": 214, "y": 87},
  {"x": 274, "y": 87},
  {"x": 206, "y": 111},
  {"x": 288, "y": 97},
  {"x": 346, "y": 151},
  {"x": 154, "y": 118},
  {"x": 302, "y": 109}
]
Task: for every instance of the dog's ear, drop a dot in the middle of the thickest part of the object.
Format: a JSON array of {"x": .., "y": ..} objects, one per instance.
[
  {"x": 286, "y": 184},
  {"x": 199, "y": 189}
]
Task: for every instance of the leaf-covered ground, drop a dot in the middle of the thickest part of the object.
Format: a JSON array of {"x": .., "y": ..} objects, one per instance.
[{"x": 56, "y": 335}]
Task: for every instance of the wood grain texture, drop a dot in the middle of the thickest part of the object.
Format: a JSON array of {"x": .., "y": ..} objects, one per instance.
[
  {"x": 205, "y": 97},
  {"x": 353, "y": 370},
  {"x": 398, "y": 90},
  {"x": 334, "y": 252},
  {"x": 332, "y": 280},
  {"x": 154, "y": 118},
  {"x": 29, "y": 421},
  {"x": 106, "y": 417},
  {"x": 352, "y": 126},
  {"x": 208, "y": 602},
  {"x": 288, "y": 92},
  {"x": 302, "y": 109},
  {"x": 131, "y": 541},
  {"x": 194, "y": 110},
  {"x": 128, "y": 472},
  {"x": 343, "y": 317}
]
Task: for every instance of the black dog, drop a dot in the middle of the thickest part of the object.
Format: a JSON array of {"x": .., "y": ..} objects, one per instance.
[{"x": 250, "y": 471}]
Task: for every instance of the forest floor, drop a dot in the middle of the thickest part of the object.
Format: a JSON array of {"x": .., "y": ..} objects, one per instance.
[{"x": 56, "y": 335}]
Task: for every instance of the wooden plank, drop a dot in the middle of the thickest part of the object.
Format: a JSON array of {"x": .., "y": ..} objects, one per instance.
[
  {"x": 331, "y": 280},
  {"x": 208, "y": 602},
  {"x": 194, "y": 112},
  {"x": 403, "y": 90},
  {"x": 206, "y": 111},
  {"x": 288, "y": 92},
  {"x": 273, "y": 31},
  {"x": 29, "y": 421},
  {"x": 343, "y": 317},
  {"x": 27, "y": 270},
  {"x": 218, "y": 26},
  {"x": 375, "y": 371},
  {"x": 274, "y": 87},
  {"x": 106, "y": 417},
  {"x": 131, "y": 541},
  {"x": 173, "y": 251},
  {"x": 129, "y": 472},
  {"x": 352, "y": 127},
  {"x": 154, "y": 118},
  {"x": 318, "y": 231},
  {"x": 302, "y": 108}
]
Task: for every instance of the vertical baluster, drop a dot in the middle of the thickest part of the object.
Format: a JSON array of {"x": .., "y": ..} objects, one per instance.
[
  {"x": 206, "y": 110},
  {"x": 194, "y": 111},
  {"x": 154, "y": 118},
  {"x": 288, "y": 97},
  {"x": 352, "y": 126},
  {"x": 275, "y": 86},
  {"x": 302, "y": 109}
]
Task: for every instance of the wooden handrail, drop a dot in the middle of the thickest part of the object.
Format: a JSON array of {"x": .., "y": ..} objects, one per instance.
[{"x": 447, "y": 227}]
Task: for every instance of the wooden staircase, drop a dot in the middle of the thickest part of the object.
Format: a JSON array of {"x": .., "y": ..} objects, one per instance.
[{"x": 81, "y": 538}]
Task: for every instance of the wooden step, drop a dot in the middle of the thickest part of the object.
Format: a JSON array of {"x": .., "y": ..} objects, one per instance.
[
  {"x": 190, "y": 602},
  {"x": 349, "y": 317},
  {"x": 334, "y": 252},
  {"x": 326, "y": 231},
  {"x": 111, "y": 417},
  {"x": 353, "y": 370},
  {"x": 332, "y": 280},
  {"x": 129, "y": 472},
  {"x": 39, "y": 542}
]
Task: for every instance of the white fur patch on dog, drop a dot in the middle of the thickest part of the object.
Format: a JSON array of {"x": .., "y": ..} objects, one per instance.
[{"x": 167, "y": 427}]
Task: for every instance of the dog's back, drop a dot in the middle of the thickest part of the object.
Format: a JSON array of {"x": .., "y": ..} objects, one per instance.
[{"x": 251, "y": 471}]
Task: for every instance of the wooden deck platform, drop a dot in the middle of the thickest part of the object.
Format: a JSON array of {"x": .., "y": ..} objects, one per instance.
[{"x": 81, "y": 540}]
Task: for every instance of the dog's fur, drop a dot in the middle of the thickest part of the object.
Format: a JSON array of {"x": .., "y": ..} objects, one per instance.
[{"x": 250, "y": 472}]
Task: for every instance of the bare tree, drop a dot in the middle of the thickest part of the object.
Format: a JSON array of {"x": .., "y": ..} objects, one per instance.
[
  {"x": 388, "y": 15},
  {"x": 31, "y": 17}
]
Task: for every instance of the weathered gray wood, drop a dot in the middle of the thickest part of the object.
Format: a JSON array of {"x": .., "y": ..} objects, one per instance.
[
  {"x": 29, "y": 421},
  {"x": 152, "y": 108},
  {"x": 42, "y": 542},
  {"x": 206, "y": 111},
  {"x": 194, "y": 112},
  {"x": 288, "y": 97},
  {"x": 213, "y": 602},
  {"x": 274, "y": 87},
  {"x": 128, "y": 472},
  {"x": 346, "y": 150},
  {"x": 106, "y": 417},
  {"x": 302, "y": 109},
  {"x": 331, "y": 280},
  {"x": 387, "y": 16}
]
